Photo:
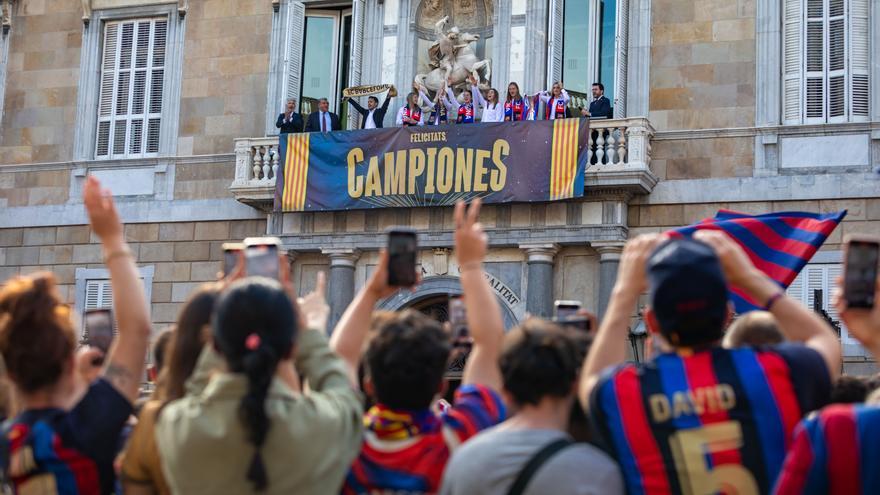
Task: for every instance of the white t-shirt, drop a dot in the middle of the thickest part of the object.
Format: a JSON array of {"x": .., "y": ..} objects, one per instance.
[{"x": 370, "y": 123}]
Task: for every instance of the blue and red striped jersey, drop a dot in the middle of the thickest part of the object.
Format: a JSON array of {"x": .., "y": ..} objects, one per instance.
[
  {"x": 834, "y": 451},
  {"x": 406, "y": 452},
  {"x": 714, "y": 421},
  {"x": 779, "y": 244},
  {"x": 57, "y": 452}
]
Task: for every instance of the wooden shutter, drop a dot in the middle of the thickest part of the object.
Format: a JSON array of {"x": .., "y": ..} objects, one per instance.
[
  {"x": 859, "y": 60},
  {"x": 792, "y": 65},
  {"x": 621, "y": 49},
  {"x": 131, "y": 93},
  {"x": 836, "y": 62},
  {"x": 555, "y": 49},
  {"x": 815, "y": 55},
  {"x": 296, "y": 23}
]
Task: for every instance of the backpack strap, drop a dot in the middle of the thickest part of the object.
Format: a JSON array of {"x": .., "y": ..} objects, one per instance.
[{"x": 534, "y": 464}]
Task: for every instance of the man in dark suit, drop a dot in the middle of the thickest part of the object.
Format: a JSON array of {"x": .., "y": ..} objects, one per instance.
[
  {"x": 600, "y": 107},
  {"x": 372, "y": 116},
  {"x": 323, "y": 120},
  {"x": 290, "y": 121}
]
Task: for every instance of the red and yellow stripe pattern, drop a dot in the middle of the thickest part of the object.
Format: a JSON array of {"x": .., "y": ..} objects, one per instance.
[
  {"x": 296, "y": 172},
  {"x": 564, "y": 164}
]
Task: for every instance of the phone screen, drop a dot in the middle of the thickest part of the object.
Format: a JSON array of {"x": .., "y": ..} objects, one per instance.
[
  {"x": 861, "y": 273},
  {"x": 401, "y": 258},
  {"x": 230, "y": 257},
  {"x": 262, "y": 261},
  {"x": 458, "y": 318},
  {"x": 99, "y": 328}
]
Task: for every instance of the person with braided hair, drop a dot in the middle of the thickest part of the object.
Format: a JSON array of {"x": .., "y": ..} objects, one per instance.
[{"x": 250, "y": 430}]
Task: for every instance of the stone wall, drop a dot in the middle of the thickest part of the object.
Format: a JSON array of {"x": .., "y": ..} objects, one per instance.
[
  {"x": 41, "y": 82},
  {"x": 225, "y": 77},
  {"x": 183, "y": 255}
]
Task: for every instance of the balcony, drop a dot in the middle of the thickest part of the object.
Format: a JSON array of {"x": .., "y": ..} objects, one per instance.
[{"x": 619, "y": 159}]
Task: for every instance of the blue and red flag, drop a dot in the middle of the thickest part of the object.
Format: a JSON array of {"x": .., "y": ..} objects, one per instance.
[{"x": 779, "y": 244}]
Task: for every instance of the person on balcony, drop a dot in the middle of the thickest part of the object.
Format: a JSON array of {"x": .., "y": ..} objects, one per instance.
[
  {"x": 372, "y": 115},
  {"x": 556, "y": 100},
  {"x": 323, "y": 120},
  {"x": 290, "y": 121},
  {"x": 493, "y": 111},
  {"x": 600, "y": 107},
  {"x": 411, "y": 114},
  {"x": 441, "y": 107},
  {"x": 516, "y": 106},
  {"x": 466, "y": 110}
]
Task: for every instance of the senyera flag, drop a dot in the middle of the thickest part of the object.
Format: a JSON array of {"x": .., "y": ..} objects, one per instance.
[{"x": 779, "y": 244}]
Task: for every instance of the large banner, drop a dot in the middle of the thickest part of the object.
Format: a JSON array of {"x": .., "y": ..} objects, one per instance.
[{"x": 432, "y": 166}]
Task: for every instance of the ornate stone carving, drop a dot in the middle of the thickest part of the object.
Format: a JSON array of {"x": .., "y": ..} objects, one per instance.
[
  {"x": 87, "y": 11},
  {"x": 452, "y": 58}
]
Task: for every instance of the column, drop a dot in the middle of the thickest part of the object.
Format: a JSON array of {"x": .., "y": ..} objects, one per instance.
[
  {"x": 539, "y": 287},
  {"x": 609, "y": 260},
  {"x": 340, "y": 282}
]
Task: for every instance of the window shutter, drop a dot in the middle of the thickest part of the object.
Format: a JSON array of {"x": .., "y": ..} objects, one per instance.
[
  {"x": 621, "y": 41},
  {"x": 815, "y": 62},
  {"x": 859, "y": 60},
  {"x": 296, "y": 23},
  {"x": 796, "y": 289},
  {"x": 132, "y": 83},
  {"x": 99, "y": 295},
  {"x": 555, "y": 48},
  {"x": 792, "y": 66}
]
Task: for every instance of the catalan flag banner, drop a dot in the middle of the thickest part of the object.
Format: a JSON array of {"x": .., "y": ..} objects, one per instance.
[
  {"x": 779, "y": 244},
  {"x": 402, "y": 167}
]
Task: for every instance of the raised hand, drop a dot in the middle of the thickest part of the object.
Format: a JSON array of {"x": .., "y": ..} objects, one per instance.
[
  {"x": 737, "y": 266},
  {"x": 377, "y": 286},
  {"x": 631, "y": 274},
  {"x": 313, "y": 308},
  {"x": 471, "y": 242},
  {"x": 102, "y": 211}
]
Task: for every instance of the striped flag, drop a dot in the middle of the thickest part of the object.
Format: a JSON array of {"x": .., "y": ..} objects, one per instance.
[{"x": 779, "y": 244}]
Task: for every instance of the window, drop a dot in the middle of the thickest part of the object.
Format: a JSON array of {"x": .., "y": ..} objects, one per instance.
[
  {"x": 93, "y": 289},
  {"x": 826, "y": 61},
  {"x": 99, "y": 295},
  {"x": 596, "y": 22},
  {"x": 131, "y": 88},
  {"x": 822, "y": 276}
]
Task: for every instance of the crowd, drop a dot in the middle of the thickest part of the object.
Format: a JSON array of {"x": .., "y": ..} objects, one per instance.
[
  {"x": 252, "y": 396},
  {"x": 446, "y": 107}
]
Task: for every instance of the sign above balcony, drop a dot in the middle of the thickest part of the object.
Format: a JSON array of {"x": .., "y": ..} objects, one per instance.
[{"x": 432, "y": 166}]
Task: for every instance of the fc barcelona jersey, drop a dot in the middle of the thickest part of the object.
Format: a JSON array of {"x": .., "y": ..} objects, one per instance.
[{"x": 716, "y": 421}]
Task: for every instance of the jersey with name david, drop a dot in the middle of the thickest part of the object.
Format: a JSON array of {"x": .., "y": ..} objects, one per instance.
[{"x": 714, "y": 421}]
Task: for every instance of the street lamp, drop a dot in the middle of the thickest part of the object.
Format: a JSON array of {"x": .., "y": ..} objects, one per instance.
[{"x": 637, "y": 337}]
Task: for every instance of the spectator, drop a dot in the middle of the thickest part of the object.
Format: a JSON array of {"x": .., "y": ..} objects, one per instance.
[
  {"x": 700, "y": 418},
  {"x": 159, "y": 348},
  {"x": 72, "y": 411},
  {"x": 407, "y": 445},
  {"x": 290, "y": 121},
  {"x": 532, "y": 451},
  {"x": 373, "y": 116},
  {"x": 756, "y": 328},
  {"x": 835, "y": 451},
  {"x": 323, "y": 120},
  {"x": 849, "y": 390},
  {"x": 141, "y": 462},
  {"x": 249, "y": 431}
]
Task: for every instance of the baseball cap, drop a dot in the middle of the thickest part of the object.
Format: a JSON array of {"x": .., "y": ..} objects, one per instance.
[{"x": 688, "y": 292}]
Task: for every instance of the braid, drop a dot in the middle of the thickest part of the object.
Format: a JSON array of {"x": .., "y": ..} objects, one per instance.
[{"x": 259, "y": 367}]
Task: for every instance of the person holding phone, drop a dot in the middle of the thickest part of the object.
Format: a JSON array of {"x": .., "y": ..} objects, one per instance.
[
  {"x": 73, "y": 412},
  {"x": 407, "y": 444},
  {"x": 833, "y": 451}
]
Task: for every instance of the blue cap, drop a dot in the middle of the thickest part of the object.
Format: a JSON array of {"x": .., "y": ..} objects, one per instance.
[{"x": 688, "y": 292}]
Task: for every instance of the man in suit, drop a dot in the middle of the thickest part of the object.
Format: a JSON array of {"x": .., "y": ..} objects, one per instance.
[
  {"x": 372, "y": 116},
  {"x": 323, "y": 120},
  {"x": 600, "y": 107},
  {"x": 290, "y": 120}
]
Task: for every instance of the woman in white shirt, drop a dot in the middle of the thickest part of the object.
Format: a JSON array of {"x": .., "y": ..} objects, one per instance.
[
  {"x": 556, "y": 101},
  {"x": 411, "y": 114},
  {"x": 493, "y": 111}
]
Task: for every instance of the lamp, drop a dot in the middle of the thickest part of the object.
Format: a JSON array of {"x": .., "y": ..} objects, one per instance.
[{"x": 637, "y": 336}]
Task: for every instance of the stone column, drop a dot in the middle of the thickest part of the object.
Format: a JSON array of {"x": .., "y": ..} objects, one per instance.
[
  {"x": 539, "y": 288},
  {"x": 609, "y": 259},
  {"x": 340, "y": 282}
]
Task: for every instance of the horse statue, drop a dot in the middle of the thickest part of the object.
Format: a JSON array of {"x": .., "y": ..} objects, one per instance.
[{"x": 453, "y": 58}]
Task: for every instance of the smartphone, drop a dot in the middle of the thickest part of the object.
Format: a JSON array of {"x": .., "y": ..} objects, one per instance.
[
  {"x": 860, "y": 271},
  {"x": 566, "y": 314},
  {"x": 99, "y": 328},
  {"x": 261, "y": 257},
  {"x": 402, "y": 247},
  {"x": 458, "y": 318},
  {"x": 231, "y": 251}
]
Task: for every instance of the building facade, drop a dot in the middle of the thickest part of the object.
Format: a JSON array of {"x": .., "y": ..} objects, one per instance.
[{"x": 750, "y": 105}]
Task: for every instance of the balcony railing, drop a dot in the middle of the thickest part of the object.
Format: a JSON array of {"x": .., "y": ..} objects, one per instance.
[{"x": 619, "y": 156}]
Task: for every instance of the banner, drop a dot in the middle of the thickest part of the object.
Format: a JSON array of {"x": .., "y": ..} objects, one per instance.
[
  {"x": 357, "y": 91},
  {"x": 404, "y": 167}
]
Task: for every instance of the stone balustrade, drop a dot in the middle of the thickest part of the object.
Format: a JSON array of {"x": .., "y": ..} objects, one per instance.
[{"x": 619, "y": 155}]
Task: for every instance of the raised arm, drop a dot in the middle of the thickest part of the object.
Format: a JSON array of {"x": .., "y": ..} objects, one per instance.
[
  {"x": 350, "y": 333},
  {"x": 796, "y": 322},
  {"x": 609, "y": 346},
  {"x": 478, "y": 96},
  {"x": 127, "y": 356},
  {"x": 544, "y": 95},
  {"x": 565, "y": 97},
  {"x": 483, "y": 312},
  {"x": 424, "y": 100},
  {"x": 357, "y": 106}
]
